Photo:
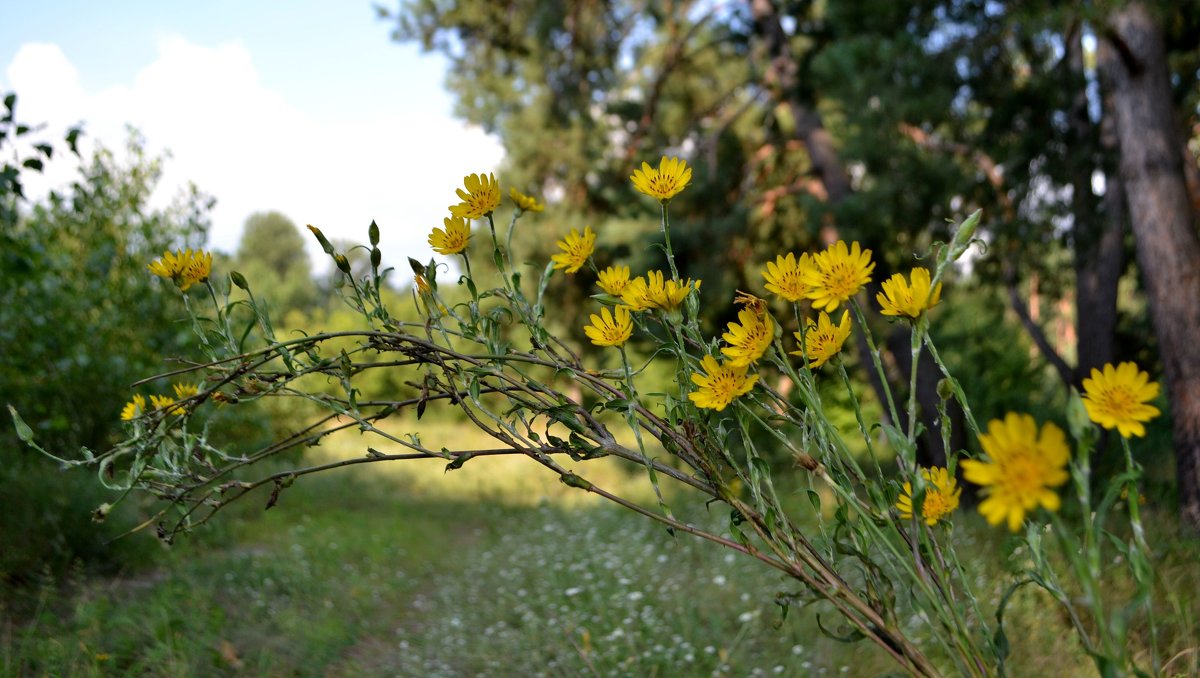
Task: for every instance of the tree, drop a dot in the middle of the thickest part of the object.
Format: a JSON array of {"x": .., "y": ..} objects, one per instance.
[
  {"x": 81, "y": 321},
  {"x": 272, "y": 257},
  {"x": 1168, "y": 248}
]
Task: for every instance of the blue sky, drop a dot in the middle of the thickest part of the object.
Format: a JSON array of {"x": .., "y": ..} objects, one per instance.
[{"x": 307, "y": 107}]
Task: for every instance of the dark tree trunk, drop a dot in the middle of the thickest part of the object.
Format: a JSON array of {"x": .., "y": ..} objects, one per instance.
[
  {"x": 1168, "y": 249},
  {"x": 1097, "y": 232}
]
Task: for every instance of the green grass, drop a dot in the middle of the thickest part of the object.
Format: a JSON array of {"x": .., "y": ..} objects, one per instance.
[{"x": 495, "y": 569}]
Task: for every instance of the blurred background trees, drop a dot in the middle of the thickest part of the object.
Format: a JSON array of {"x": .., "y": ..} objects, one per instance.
[{"x": 877, "y": 121}]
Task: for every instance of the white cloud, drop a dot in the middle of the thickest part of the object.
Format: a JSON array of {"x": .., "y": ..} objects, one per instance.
[{"x": 253, "y": 150}]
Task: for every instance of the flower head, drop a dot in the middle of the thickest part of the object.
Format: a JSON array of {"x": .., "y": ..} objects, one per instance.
[
  {"x": 185, "y": 391},
  {"x": 823, "y": 339},
  {"x": 941, "y": 496},
  {"x": 664, "y": 183},
  {"x": 480, "y": 199},
  {"x": 1117, "y": 397},
  {"x": 749, "y": 338},
  {"x": 610, "y": 329},
  {"x": 837, "y": 275},
  {"x": 454, "y": 239},
  {"x": 900, "y": 299},
  {"x": 667, "y": 294},
  {"x": 525, "y": 203},
  {"x": 720, "y": 384},
  {"x": 575, "y": 249},
  {"x": 614, "y": 279},
  {"x": 1021, "y": 469},
  {"x": 784, "y": 276},
  {"x": 134, "y": 408},
  {"x": 163, "y": 402},
  {"x": 183, "y": 267}
]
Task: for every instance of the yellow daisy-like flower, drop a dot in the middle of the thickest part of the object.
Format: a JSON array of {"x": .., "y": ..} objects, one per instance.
[
  {"x": 636, "y": 295},
  {"x": 720, "y": 384},
  {"x": 1022, "y": 467},
  {"x": 750, "y": 339},
  {"x": 837, "y": 275},
  {"x": 1117, "y": 397},
  {"x": 614, "y": 279},
  {"x": 454, "y": 239},
  {"x": 667, "y": 294},
  {"x": 575, "y": 250},
  {"x": 525, "y": 203},
  {"x": 480, "y": 199},
  {"x": 134, "y": 408},
  {"x": 941, "y": 496},
  {"x": 900, "y": 299},
  {"x": 784, "y": 276},
  {"x": 610, "y": 329},
  {"x": 183, "y": 267},
  {"x": 185, "y": 391},
  {"x": 162, "y": 402},
  {"x": 823, "y": 339},
  {"x": 672, "y": 176}
]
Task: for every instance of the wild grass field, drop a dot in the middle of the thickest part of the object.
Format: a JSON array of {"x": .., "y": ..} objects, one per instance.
[{"x": 496, "y": 569}]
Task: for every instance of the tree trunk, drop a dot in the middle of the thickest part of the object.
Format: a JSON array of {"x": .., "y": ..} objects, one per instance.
[
  {"x": 1168, "y": 249},
  {"x": 1096, "y": 233}
]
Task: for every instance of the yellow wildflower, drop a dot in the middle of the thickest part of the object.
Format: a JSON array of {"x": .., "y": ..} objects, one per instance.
[
  {"x": 134, "y": 408},
  {"x": 941, "y": 496},
  {"x": 480, "y": 199},
  {"x": 823, "y": 339},
  {"x": 667, "y": 294},
  {"x": 750, "y": 339},
  {"x": 609, "y": 329},
  {"x": 785, "y": 278},
  {"x": 454, "y": 239},
  {"x": 664, "y": 183},
  {"x": 1022, "y": 467},
  {"x": 183, "y": 267},
  {"x": 1117, "y": 397},
  {"x": 613, "y": 280},
  {"x": 575, "y": 250},
  {"x": 525, "y": 203},
  {"x": 900, "y": 299},
  {"x": 837, "y": 275},
  {"x": 636, "y": 295},
  {"x": 720, "y": 384}
]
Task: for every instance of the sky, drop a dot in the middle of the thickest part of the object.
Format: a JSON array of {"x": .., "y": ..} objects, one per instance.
[{"x": 302, "y": 106}]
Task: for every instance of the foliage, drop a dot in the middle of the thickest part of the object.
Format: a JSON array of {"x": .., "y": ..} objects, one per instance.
[{"x": 81, "y": 322}]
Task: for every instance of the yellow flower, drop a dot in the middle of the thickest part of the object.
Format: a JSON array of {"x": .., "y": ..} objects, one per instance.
[
  {"x": 749, "y": 340},
  {"x": 185, "y": 391},
  {"x": 898, "y": 298},
  {"x": 720, "y": 384},
  {"x": 162, "y": 402},
  {"x": 575, "y": 249},
  {"x": 667, "y": 294},
  {"x": 837, "y": 275},
  {"x": 636, "y": 295},
  {"x": 1117, "y": 397},
  {"x": 941, "y": 496},
  {"x": 480, "y": 199},
  {"x": 784, "y": 276},
  {"x": 423, "y": 287},
  {"x": 525, "y": 203},
  {"x": 614, "y": 279},
  {"x": 608, "y": 329},
  {"x": 454, "y": 239},
  {"x": 1021, "y": 468},
  {"x": 664, "y": 183},
  {"x": 134, "y": 408},
  {"x": 823, "y": 339},
  {"x": 183, "y": 267}
]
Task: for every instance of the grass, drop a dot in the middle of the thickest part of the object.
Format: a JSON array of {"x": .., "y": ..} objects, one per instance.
[{"x": 494, "y": 569}]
